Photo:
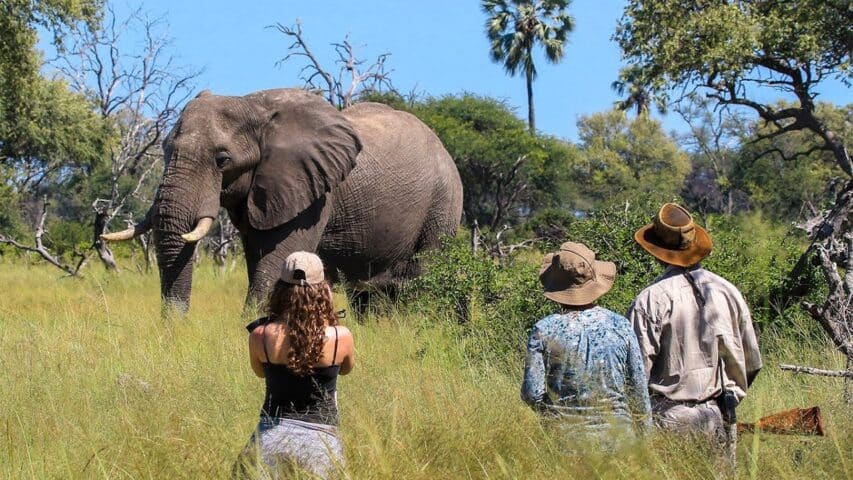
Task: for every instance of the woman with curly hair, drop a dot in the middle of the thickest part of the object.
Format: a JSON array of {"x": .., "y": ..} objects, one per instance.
[{"x": 299, "y": 349}]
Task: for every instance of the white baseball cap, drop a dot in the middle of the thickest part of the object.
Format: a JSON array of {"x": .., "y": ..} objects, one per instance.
[{"x": 302, "y": 268}]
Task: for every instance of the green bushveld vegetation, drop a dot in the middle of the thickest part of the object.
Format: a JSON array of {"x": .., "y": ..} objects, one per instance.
[{"x": 96, "y": 385}]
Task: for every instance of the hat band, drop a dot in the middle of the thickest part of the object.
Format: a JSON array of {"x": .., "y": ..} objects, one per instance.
[
  {"x": 679, "y": 238},
  {"x": 588, "y": 263}
]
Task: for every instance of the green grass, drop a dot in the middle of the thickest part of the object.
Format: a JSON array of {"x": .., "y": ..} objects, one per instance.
[{"x": 96, "y": 385}]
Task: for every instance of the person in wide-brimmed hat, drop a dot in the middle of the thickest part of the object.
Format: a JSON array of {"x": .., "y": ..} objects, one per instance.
[
  {"x": 686, "y": 323},
  {"x": 589, "y": 351}
]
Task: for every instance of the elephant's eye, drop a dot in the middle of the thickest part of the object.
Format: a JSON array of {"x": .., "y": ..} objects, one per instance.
[{"x": 222, "y": 159}]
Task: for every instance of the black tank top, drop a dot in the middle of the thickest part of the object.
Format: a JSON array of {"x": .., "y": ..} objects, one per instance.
[{"x": 309, "y": 397}]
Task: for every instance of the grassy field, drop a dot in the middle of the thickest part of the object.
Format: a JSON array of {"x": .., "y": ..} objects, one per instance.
[{"x": 96, "y": 385}]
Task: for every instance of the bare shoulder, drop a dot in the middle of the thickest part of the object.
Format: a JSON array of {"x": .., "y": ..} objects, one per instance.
[
  {"x": 256, "y": 336},
  {"x": 344, "y": 335},
  {"x": 343, "y": 332}
]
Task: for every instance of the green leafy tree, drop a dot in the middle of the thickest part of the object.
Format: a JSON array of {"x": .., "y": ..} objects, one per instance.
[
  {"x": 506, "y": 172},
  {"x": 714, "y": 143},
  {"x": 781, "y": 183},
  {"x": 514, "y": 27},
  {"x": 736, "y": 52},
  {"x": 624, "y": 158},
  {"x": 733, "y": 51},
  {"x": 46, "y": 132},
  {"x": 33, "y": 110}
]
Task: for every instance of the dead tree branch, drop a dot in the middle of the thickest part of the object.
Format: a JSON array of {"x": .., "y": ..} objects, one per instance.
[
  {"x": 222, "y": 243},
  {"x": 817, "y": 371},
  {"x": 797, "y": 81},
  {"x": 831, "y": 251},
  {"x": 496, "y": 246},
  {"x": 355, "y": 77},
  {"x": 314, "y": 69},
  {"x": 141, "y": 92},
  {"x": 39, "y": 248}
]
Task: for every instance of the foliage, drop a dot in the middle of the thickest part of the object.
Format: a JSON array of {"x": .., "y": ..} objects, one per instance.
[
  {"x": 733, "y": 51},
  {"x": 781, "y": 183},
  {"x": 19, "y": 62},
  {"x": 494, "y": 300},
  {"x": 57, "y": 138},
  {"x": 626, "y": 159},
  {"x": 49, "y": 136},
  {"x": 550, "y": 224},
  {"x": 514, "y": 27},
  {"x": 506, "y": 172},
  {"x": 11, "y": 222},
  {"x": 95, "y": 385},
  {"x": 714, "y": 142},
  {"x": 43, "y": 127},
  {"x": 503, "y": 299},
  {"x": 635, "y": 95}
]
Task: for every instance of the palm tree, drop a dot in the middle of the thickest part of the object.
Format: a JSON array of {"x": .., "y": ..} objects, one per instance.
[
  {"x": 635, "y": 93},
  {"x": 515, "y": 26}
]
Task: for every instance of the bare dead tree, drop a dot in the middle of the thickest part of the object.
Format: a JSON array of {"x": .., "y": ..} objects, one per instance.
[
  {"x": 72, "y": 270},
  {"x": 222, "y": 243},
  {"x": 355, "y": 76},
  {"x": 510, "y": 185},
  {"x": 141, "y": 92},
  {"x": 831, "y": 251},
  {"x": 144, "y": 242},
  {"x": 715, "y": 136},
  {"x": 495, "y": 244}
]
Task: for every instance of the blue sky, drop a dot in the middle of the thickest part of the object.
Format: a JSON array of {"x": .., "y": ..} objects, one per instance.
[{"x": 437, "y": 47}]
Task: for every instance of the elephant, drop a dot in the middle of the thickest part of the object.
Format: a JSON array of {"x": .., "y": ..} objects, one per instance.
[{"x": 366, "y": 188}]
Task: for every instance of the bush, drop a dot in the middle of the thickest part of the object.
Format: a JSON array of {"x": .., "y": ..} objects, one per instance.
[{"x": 494, "y": 303}]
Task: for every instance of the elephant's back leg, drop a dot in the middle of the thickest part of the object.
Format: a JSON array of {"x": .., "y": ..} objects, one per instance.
[{"x": 443, "y": 215}]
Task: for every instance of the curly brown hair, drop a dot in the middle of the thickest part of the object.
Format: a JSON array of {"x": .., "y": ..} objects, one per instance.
[{"x": 305, "y": 310}]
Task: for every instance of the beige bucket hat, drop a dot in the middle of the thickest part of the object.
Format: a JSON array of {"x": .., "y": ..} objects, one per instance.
[
  {"x": 572, "y": 276},
  {"x": 674, "y": 238},
  {"x": 302, "y": 268}
]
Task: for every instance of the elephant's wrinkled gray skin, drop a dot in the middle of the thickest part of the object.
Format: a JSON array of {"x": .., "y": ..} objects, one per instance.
[{"x": 366, "y": 188}]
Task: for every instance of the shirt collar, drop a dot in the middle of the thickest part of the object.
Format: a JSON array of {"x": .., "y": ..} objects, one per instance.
[{"x": 672, "y": 270}]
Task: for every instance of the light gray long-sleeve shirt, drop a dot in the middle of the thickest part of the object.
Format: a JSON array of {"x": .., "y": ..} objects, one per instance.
[{"x": 682, "y": 344}]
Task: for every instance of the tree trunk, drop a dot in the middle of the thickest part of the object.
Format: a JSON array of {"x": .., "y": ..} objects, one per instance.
[
  {"x": 531, "y": 114},
  {"x": 144, "y": 241},
  {"x": 831, "y": 252},
  {"x": 104, "y": 252}
]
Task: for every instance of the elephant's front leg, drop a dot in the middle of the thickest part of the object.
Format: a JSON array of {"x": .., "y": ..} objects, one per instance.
[{"x": 267, "y": 249}]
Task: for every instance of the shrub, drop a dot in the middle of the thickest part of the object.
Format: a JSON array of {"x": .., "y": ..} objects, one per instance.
[{"x": 494, "y": 303}]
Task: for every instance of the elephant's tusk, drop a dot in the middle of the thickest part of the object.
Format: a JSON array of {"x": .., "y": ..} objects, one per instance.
[
  {"x": 128, "y": 233},
  {"x": 199, "y": 231}
]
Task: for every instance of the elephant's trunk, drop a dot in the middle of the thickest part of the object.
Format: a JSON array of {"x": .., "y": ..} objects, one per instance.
[
  {"x": 181, "y": 205},
  {"x": 175, "y": 259}
]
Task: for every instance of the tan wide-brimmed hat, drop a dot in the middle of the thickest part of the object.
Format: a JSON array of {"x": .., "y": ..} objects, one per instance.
[
  {"x": 673, "y": 237},
  {"x": 302, "y": 268},
  {"x": 572, "y": 276}
]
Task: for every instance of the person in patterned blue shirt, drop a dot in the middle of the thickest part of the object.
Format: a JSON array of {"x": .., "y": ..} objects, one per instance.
[{"x": 584, "y": 365}]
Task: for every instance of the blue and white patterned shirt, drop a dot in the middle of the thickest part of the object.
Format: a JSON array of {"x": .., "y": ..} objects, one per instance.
[{"x": 586, "y": 365}]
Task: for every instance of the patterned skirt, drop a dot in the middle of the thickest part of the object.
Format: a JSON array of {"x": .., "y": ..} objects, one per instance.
[{"x": 282, "y": 445}]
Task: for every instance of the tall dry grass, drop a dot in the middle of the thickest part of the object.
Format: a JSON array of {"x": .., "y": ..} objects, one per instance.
[{"x": 96, "y": 385}]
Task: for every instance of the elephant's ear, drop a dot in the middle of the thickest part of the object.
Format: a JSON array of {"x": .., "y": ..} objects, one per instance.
[{"x": 307, "y": 148}]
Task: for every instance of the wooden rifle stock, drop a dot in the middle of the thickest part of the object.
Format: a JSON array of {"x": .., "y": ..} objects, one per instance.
[{"x": 797, "y": 421}]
